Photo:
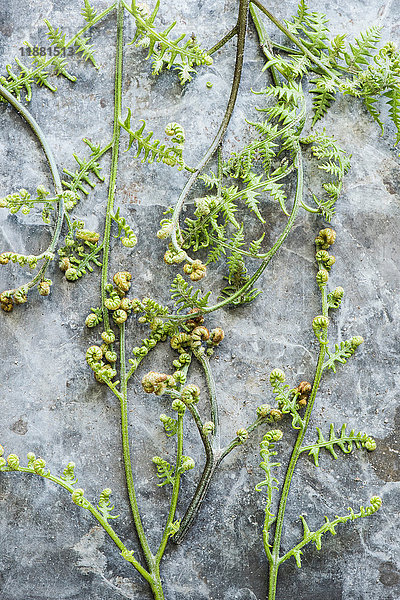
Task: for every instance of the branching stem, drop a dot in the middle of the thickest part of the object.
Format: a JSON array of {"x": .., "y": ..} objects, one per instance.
[{"x": 242, "y": 27}]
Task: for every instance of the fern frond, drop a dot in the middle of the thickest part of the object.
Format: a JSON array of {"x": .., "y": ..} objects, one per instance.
[
  {"x": 334, "y": 161},
  {"x": 344, "y": 441},
  {"x": 105, "y": 507},
  {"x": 369, "y": 102},
  {"x": 88, "y": 12},
  {"x": 287, "y": 401},
  {"x": 181, "y": 53},
  {"x": 129, "y": 239},
  {"x": 393, "y": 95},
  {"x": 316, "y": 536},
  {"x": 164, "y": 471},
  {"x": 184, "y": 297},
  {"x": 323, "y": 96},
  {"x": 56, "y": 36},
  {"x": 342, "y": 352},
  {"x": 251, "y": 194},
  {"x": 267, "y": 451},
  {"x": 85, "y": 49},
  {"x": 255, "y": 245},
  {"x": 361, "y": 49},
  {"x": 79, "y": 181},
  {"x": 152, "y": 148},
  {"x": 170, "y": 425}
]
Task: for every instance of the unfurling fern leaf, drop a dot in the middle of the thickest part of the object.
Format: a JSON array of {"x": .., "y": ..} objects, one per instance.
[
  {"x": 342, "y": 352},
  {"x": 334, "y": 161},
  {"x": 79, "y": 180},
  {"x": 181, "y": 54},
  {"x": 152, "y": 149},
  {"x": 129, "y": 240},
  {"x": 184, "y": 297},
  {"x": 164, "y": 471},
  {"x": 316, "y": 536},
  {"x": 344, "y": 441},
  {"x": 104, "y": 506}
]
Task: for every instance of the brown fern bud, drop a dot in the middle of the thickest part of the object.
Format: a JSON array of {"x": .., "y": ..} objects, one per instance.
[
  {"x": 6, "y": 302},
  {"x": 4, "y": 259},
  {"x": 154, "y": 383},
  {"x": 64, "y": 264},
  {"x": 122, "y": 280},
  {"x": 196, "y": 270},
  {"x": 44, "y": 288},
  {"x": 216, "y": 336},
  {"x": 197, "y": 320}
]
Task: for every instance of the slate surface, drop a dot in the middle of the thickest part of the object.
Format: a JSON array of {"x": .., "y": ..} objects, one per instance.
[{"x": 51, "y": 405}]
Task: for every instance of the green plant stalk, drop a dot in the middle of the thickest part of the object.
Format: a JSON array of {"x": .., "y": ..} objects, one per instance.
[
  {"x": 224, "y": 40},
  {"x": 213, "y": 460},
  {"x": 175, "y": 492},
  {"x": 294, "y": 39},
  {"x": 114, "y": 158},
  {"x": 205, "y": 363},
  {"x": 54, "y": 172},
  {"x": 242, "y": 27},
  {"x": 264, "y": 40},
  {"x": 97, "y": 515},
  {"x": 126, "y": 453},
  {"x": 275, "y": 560}
]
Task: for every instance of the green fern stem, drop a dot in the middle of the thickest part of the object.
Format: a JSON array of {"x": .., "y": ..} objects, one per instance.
[
  {"x": 242, "y": 27},
  {"x": 97, "y": 515},
  {"x": 275, "y": 559},
  {"x": 114, "y": 159},
  {"x": 205, "y": 363},
  {"x": 294, "y": 39},
  {"x": 265, "y": 41},
  {"x": 175, "y": 491},
  {"x": 204, "y": 481},
  {"x": 224, "y": 40},
  {"x": 213, "y": 461},
  {"x": 54, "y": 172},
  {"x": 126, "y": 453}
]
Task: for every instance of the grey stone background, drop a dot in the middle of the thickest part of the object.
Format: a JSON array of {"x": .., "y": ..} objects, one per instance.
[{"x": 50, "y": 404}]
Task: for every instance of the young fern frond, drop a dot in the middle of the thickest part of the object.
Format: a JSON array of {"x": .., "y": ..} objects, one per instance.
[
  {"x": 344, "y": 441},
  {"x": 361, "y": 49},
  {"x": 88, "y": 12},
  {"x": 316, "y": 536},
  {"x": 85, "y": 49},
  {"x": 105, "y": 507},
  {"x": 27, "y": 75},
  {"x": 267, "y": 451},
  {"x": 342, "y": 352},
  {"x": 184, "y": 297},
  {"x": 58, "y": 38},
  {"x": 164, "y": 471},
  {"x": 286, "y": 398},
  {"x": 22, "y": 200},
  {"x": 129, "y": 239},
  {"x": 152, "y": 148},
  {"x": 182, "y": 53},
  {"x": 79, "y": 181},
  {"x": 335, "y": 162}
]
